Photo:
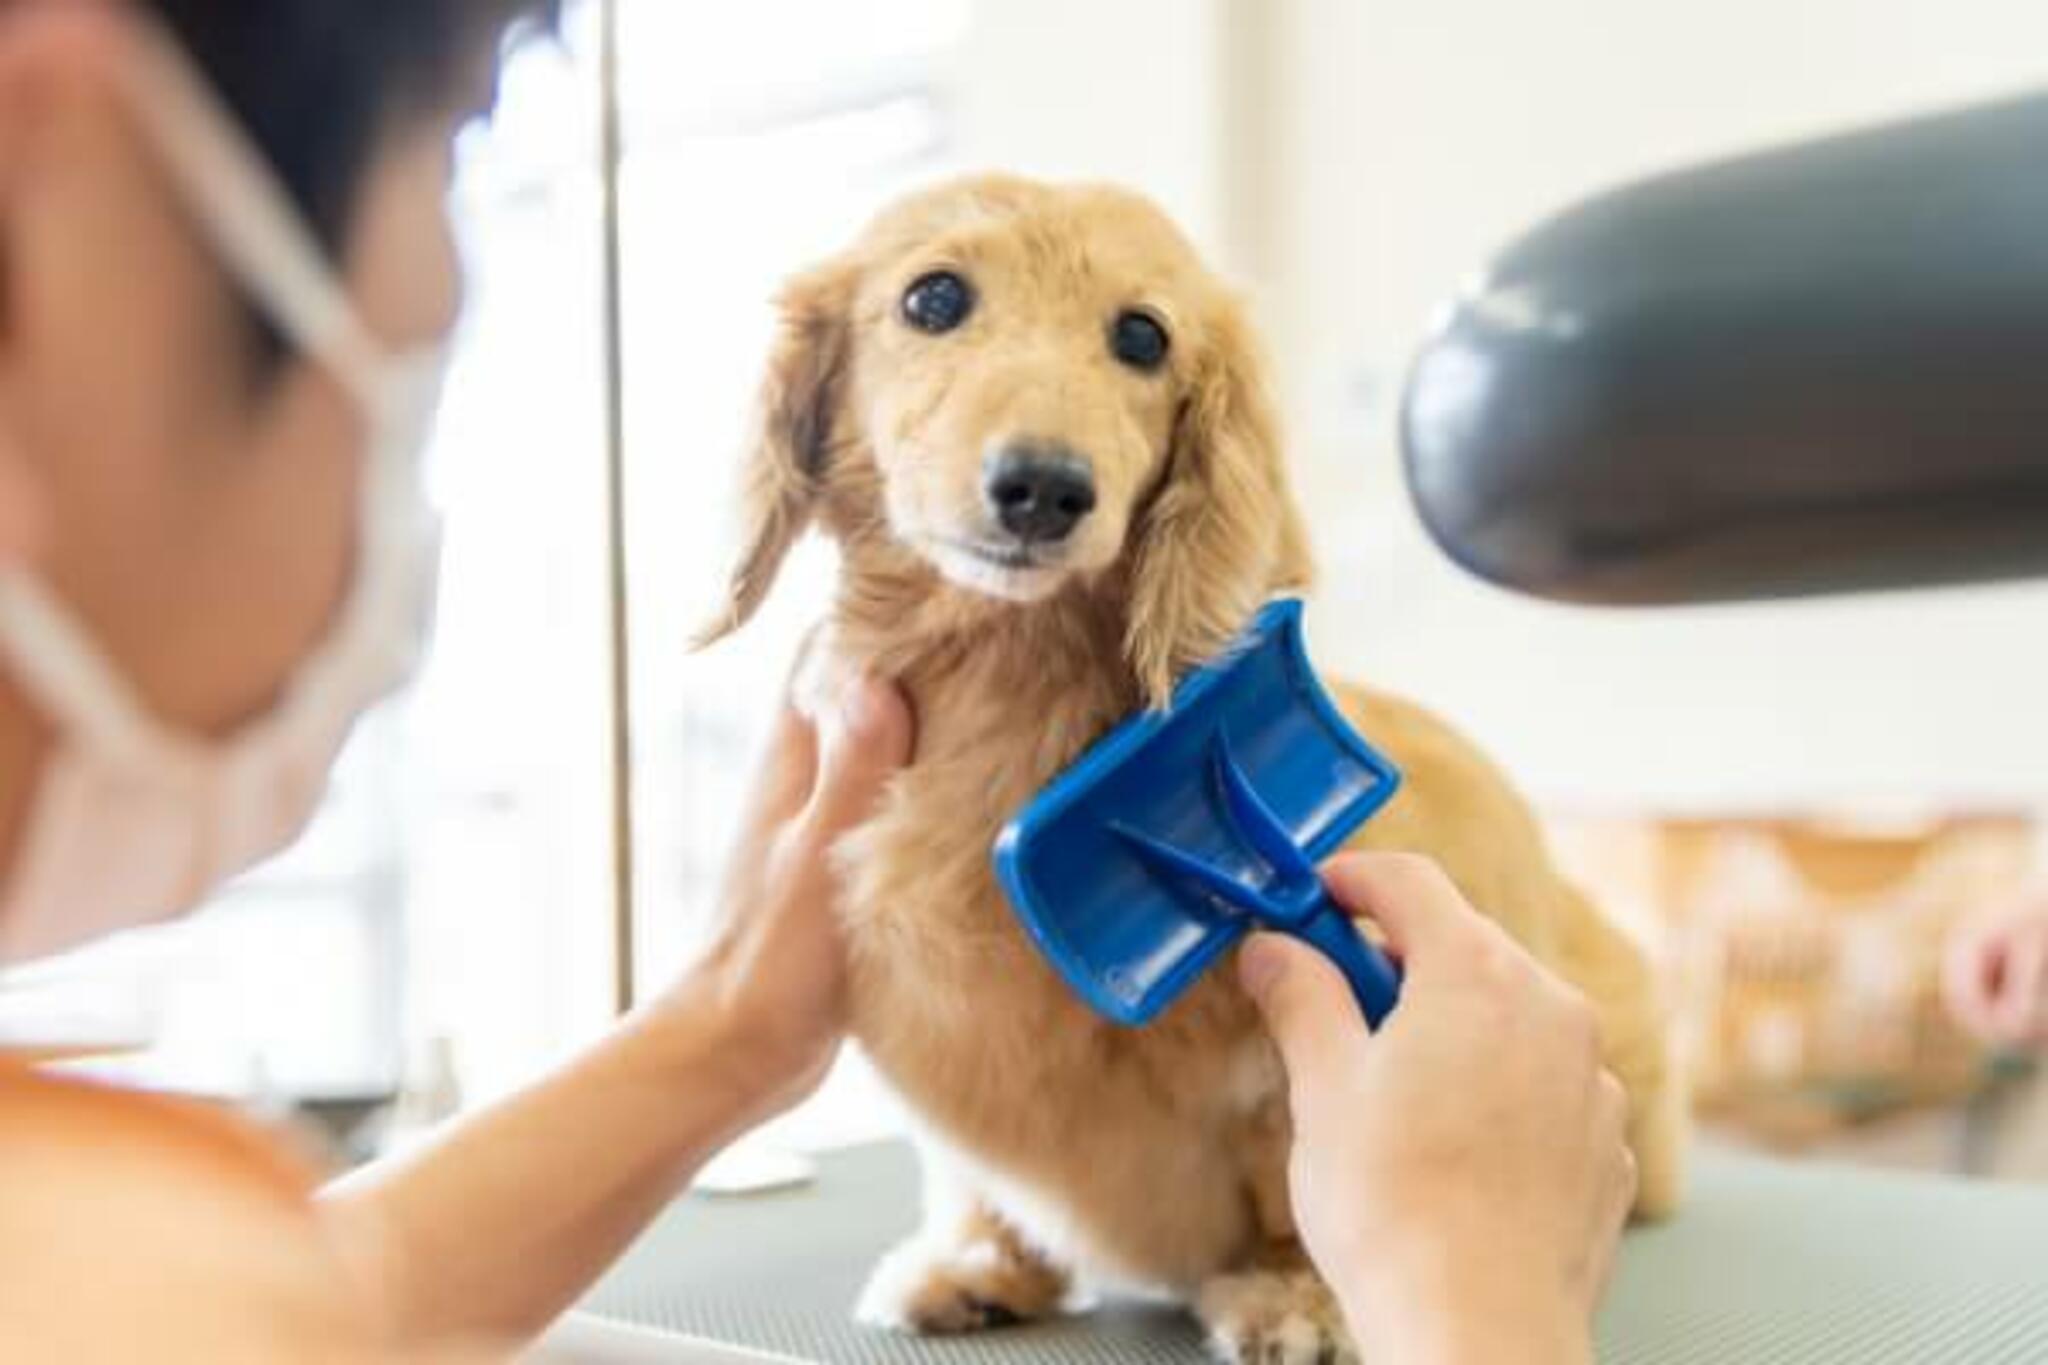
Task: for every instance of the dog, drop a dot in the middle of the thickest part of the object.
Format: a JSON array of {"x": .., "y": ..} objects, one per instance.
[{"x": 1040, "y": 433}]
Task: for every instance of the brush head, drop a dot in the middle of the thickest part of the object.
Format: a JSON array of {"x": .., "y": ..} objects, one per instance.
[{"x": 1150, "y": 856}]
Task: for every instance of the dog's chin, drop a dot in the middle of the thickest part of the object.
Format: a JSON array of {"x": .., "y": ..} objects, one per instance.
[{"x": 1006, "y": 576}]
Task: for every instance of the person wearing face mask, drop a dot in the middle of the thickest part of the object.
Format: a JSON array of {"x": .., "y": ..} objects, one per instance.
[{"x": 226, "y": 283}]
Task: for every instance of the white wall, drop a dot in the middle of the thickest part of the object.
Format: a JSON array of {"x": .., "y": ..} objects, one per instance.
[
  {"x": 1080, "y": 89},
  {"x": 1352, "y": 160}
]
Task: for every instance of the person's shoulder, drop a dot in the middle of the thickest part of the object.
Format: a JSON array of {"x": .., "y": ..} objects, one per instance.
[
  {"x": 141, "y": 1227},
  {"x": 50, "y": 1117}
]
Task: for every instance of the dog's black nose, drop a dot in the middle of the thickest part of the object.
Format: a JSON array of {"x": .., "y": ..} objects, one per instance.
[{"x": 1040, "y": 490}]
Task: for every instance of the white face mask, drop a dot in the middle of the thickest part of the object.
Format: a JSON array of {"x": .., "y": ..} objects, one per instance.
[{"x": 133, "y": 820}]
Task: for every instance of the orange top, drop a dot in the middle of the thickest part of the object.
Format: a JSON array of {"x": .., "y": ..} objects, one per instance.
[
  {"x": 140, "y": 1227},
  {"x": 220, "y": 1144}
]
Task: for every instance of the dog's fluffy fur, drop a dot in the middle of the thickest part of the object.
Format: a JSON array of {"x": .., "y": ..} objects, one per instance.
[{"x": 1060, "y": 1148}]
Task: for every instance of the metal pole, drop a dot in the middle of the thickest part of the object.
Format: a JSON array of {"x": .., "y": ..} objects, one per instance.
[{"x": 615, "y": 515}]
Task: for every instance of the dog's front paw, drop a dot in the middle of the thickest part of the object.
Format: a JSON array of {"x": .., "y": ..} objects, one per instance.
[
  {"x": 1274, "y": 1317},
  {"x": 939, "y": 1289}
]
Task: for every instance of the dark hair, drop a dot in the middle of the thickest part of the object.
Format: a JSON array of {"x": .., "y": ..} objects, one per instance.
[{"x": 316, "y": 82}]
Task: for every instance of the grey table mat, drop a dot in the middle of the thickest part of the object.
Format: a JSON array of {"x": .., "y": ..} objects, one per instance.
[{"x": 1771, "y": 1264}]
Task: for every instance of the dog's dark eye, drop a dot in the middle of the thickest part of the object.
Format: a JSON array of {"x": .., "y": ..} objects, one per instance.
[
  {"x": 937, "y": 302},
  {"x": 1138, "y": 340}
]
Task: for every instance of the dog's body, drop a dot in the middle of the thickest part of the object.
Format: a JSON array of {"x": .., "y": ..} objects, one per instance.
[{"x": 1059, "y": 1143}]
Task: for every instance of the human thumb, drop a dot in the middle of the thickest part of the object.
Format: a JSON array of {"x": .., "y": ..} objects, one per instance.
[
  {"x": 867, "y": 736},
  {"x": 1307, "y": 1004}
]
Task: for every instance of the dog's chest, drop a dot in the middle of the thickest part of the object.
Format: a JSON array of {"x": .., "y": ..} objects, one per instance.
[
  {"x": 941, "y": 962},
  {"x": 958, "y": 1009},
  {"x": 944, "y": 976}
]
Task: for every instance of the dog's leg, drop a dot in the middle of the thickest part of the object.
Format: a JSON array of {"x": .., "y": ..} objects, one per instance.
[
  {"x": 1277, "y": 1312},
  {"x": 1657, "y": 1135},
  {"x": 1614, "y": 974},
  {"x": 965, "y": 1270}
]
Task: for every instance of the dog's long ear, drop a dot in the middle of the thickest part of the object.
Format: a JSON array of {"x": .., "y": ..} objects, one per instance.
[
  {"x": 1222, "y": 532},
  {"x": 787, "y": 446}
]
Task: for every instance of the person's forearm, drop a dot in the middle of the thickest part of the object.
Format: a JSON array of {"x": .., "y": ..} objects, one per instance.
[
  {"x": 500, "y": 1222},
  {"x": 1462, "y": 1321},
  {"x": 1502, "y": 1341}
]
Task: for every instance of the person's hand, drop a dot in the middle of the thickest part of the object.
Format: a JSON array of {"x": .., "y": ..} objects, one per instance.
[
  {"x": 1995, "y": 978},
  {"x": 776, "y": 970},
  {"x": 1459, "y": 1177}
]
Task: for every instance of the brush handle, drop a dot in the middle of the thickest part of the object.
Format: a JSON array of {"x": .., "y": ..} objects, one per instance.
[{"x": 1374, "y": 980}]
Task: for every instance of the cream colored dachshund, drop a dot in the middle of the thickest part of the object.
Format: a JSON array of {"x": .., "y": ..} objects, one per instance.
[{"x": 1038, "y": 429}]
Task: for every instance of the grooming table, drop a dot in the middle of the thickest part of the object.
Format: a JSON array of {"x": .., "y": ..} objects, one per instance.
[{"x": 1771, "y": 1263}]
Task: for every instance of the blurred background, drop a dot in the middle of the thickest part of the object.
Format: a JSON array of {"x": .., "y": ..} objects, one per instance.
[{"x": 1795, "y": 804}]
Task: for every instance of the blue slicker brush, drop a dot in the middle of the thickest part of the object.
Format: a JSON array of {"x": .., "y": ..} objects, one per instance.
[{"x": 1187, "y": 827}]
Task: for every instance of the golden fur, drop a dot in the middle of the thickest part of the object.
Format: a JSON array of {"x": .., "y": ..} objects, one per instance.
[{"x": 1059, "y": 1143}]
